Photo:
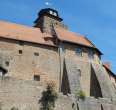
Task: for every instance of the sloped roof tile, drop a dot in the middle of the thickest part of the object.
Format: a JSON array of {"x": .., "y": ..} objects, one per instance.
[
  {"x": 66, "y": 35},
  {"x": 34, "y": 35},
  {"x": 21, "y": 32}
]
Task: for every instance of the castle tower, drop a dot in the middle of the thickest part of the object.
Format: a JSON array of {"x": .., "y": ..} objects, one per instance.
[{"x": 47, "y": 19}]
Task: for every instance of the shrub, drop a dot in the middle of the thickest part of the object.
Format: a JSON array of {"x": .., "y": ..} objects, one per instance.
[
  {"x": 14, "y": 108},
  {"x": 0, "y": 105},
  {"x": 49, "y": 97},
  {"x": 80, "y": 94}
]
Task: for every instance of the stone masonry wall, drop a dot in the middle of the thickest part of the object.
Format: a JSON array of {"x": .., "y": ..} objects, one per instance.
[
  {"x": 81, "y": 63},
  {"x": 96, "y": 104},
  {"x": 45, "y": 62},
  {"x": 25, "y": 96},
  {"x": 19, "y": 93},
  {"x": 33, "y": 59},
  {"x": 48, "y": 22}
]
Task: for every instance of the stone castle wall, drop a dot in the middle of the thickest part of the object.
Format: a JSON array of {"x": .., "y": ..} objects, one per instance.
[
  {"x": 19, "y": 93},
  {"x": 33, "y": 59},
  {"x": 28, "y": 59},
  {"x": 82, "y": 63},
  {"x": 96, "y": 104},
  {"x": 25, "y": 96}
]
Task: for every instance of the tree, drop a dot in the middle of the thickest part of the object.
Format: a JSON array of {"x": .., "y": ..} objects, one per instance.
[{"x": 49, "y": 97}]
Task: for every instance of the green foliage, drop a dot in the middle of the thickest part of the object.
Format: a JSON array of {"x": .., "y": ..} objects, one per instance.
[
  {"x": 48, "y": 98},
  {"x": 14, "y": 108},
  {"x": 0, "y": 106},
  {"x": 80, "y": 94}
]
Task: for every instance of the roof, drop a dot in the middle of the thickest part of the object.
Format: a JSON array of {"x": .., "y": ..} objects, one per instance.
[
  {"x": 34, "y": 35},
  {"x": 65, "y": 35},
  {"x": 21, "y": 32},
  {"x": 47, "y": 11}
]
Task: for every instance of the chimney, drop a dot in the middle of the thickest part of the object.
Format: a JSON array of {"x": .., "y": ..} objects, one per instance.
[{"x": 47, "y": 19}]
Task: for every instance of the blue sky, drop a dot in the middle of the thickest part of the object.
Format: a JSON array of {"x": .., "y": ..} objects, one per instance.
[{"x": 95, "y": 19}]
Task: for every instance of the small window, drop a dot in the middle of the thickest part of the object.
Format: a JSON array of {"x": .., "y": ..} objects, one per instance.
[
  {"x": 36, "y": 54},
  {"x": 51, "y": 12},
  {"x": 37, "y": 77},
  {"x": 55, "y": 14},
  {"x": 91, "y": 54},
  {"x": 78, "y": 51},
  {"x": 7, "y": 63},
  {"x": 20, "y": 51}
]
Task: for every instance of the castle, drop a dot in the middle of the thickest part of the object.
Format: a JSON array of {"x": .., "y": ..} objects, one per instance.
[{"x": 32, "y": 56}]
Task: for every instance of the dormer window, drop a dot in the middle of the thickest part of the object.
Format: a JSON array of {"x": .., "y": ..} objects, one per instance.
[{"x": 78, "y": 51}]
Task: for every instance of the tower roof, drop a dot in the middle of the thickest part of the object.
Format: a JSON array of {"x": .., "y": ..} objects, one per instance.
[{"x": 50, "y": 12}]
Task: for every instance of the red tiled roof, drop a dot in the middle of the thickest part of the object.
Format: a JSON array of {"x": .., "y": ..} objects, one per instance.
[
  {"x": 21, "y": 32},
  {"x": 65, "y": 35},
  {"x": 31, "y": 34}
]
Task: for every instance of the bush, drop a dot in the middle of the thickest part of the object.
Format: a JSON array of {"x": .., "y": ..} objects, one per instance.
[
  {"x": 80, "y": 94},
  {"x": 0, "y": 105},
  {"x": 49, "y": 97},
  {"x": 14, "y": 108}
]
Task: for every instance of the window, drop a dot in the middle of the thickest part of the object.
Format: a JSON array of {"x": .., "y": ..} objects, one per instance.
[
  {"x": 37, "y": 77},
  {"x": 78, "y": 51},
  {"x": 55, "y": 14},
  {"x": 20, "y": 51},
  {"x": 51, "y": 12},
  {"x": 36, "y": 54},
  {"x": 7, "y": 63},
  {"x": 90, "y": 54}
]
